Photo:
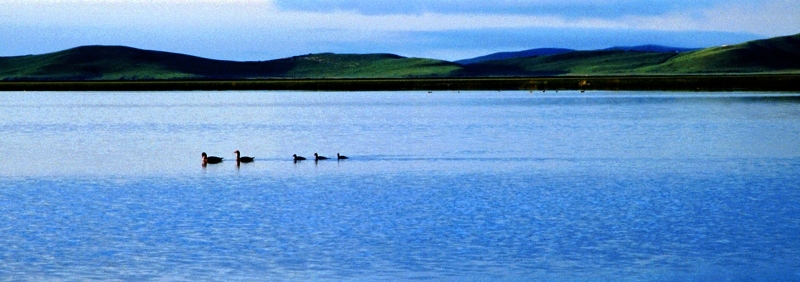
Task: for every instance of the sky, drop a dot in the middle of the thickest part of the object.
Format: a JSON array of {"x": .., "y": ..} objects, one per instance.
[{"x": 257, "y": 30}]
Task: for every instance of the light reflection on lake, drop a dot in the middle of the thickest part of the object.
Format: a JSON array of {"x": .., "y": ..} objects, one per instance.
[{"x": 470, "y": 186}]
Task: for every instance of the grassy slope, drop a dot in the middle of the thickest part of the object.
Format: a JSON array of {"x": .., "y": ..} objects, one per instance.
[
  {"x": 124, "y": 63},
  {"x": 92, "y": 63},
  {"x": 121, "y": 63},
  {"x": 774, "y": 55},
  {"x": 780, "y": 54},
  {"x": 580, "y": 62},
  {"x": 367, "y": 66}
]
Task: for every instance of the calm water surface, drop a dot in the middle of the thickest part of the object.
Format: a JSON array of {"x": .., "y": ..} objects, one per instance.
[{"x": 618, "y": 186}]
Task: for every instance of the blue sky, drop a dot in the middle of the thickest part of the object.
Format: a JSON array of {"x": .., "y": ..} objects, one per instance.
[{"x": 447, "y": 29}]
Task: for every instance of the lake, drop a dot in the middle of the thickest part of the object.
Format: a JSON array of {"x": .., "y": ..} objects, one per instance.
[{"x": 463, "y": 186}]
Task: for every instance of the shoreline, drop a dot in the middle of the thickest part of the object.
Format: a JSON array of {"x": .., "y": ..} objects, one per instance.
[{"x": 732, "y": 82}]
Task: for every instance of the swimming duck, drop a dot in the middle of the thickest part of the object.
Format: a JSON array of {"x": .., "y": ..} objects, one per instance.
[
  {"x": 341, "y": 157},
  {"x": 318, "y": 157},
  {"x": 210, "y": 159},
  {"x": 242, "y": 159},
  {"x": 298, "y": 158}
]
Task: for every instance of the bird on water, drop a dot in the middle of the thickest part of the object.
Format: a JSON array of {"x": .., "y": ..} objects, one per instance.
[
  {"x": 242, "y": 159},
  {"x": 341, "y": 157},
  {"x": 298, "y": 158},
  {"x": 318, "y": 157},
  {"x": 210, "y": 159}
]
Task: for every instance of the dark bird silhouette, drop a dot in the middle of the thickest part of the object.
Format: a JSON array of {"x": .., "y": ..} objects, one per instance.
[
  {"x": 318, "y": 157},
  {"x": 298, "y": 158},
  {"x": 210, "y": 159},
  {"x": 242, "y": 159},
  {"x": 341, "y": 157}
]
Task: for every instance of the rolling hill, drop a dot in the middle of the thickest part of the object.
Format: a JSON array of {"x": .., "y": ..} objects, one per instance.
[
  {"x": 777, "y": 54},
  {"x": 555, "y": 51},
  {"x": 578, "y": 62},
  {"x": 651, "y": 48},
  {"x": 114, "y": 63},
  {"x": 515, "y": 55},
  {"x": 774, "y": 55},
  {"x": 331, "y": 65},
  {"x": 125, "y": 63}
]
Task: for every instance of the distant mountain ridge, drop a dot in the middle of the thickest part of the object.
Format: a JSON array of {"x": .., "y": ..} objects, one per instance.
[
  {"x": 773, "y": 55},
  {"x": 515, "y": 55},
  {"x": 555, "y": 51},
  {"x": 652, "y": 48}
]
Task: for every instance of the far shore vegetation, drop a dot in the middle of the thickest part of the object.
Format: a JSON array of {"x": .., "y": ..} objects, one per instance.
[{"x": 751, "y": 82}]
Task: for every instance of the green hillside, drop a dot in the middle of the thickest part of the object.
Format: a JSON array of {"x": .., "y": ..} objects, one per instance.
[
  {"x": 330, "y": 65},
  {"x": 780, "y": 54},
  {"x": 774, "y": 55},
  {"x": 125, "y": 63},
  {"x": 578, "y": 62},
  {"x": 100, "y": 63}
]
